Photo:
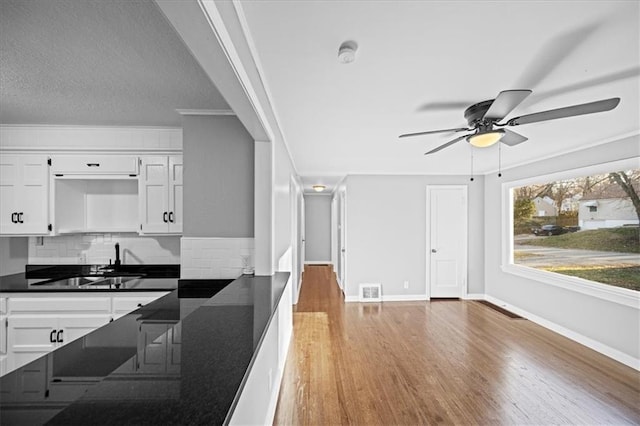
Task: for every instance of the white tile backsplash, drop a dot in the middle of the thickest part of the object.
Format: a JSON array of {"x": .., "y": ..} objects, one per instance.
[
  {"x": 215, "y": 257},
  {"x": 100, "y": 248}
]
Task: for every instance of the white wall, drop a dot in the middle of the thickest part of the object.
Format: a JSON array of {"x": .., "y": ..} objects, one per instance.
[
  {"x": 283, "y": 172},
  {"x": 317, "y": 228},
  {"x": 612, "y": 327},
  {"x": 218, "y": 177},
  {"x": 386, "y": 233}
]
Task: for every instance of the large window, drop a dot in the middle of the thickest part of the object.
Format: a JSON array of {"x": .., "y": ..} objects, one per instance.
[{"x": 584, "y": 226}]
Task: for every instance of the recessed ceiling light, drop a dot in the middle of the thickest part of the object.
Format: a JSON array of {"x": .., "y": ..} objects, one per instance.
[
  {"x": 318, "y": 188},
  {"x": 347, "y": 52}
]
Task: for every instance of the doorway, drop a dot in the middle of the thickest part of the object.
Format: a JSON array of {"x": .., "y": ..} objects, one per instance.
[{"x": 447, "y": 236}]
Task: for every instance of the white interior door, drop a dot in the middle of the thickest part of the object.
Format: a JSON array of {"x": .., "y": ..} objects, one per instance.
[{"x": 447, "y": 240}]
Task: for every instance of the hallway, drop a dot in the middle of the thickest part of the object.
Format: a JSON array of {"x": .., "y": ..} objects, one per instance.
[{"x": 452, "y": 362}]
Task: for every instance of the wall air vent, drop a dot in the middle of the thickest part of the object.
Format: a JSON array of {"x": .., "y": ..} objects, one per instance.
[{"x": 370, "y": 293}]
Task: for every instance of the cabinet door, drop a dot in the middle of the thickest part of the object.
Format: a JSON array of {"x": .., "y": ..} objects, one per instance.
[
  {"x": 33, "y": 198},
  {"x": 153, "y": 193},
  {"x": 30, "y": 337},
  {"x": 28, "y": 384},
  {"x": 152, "y": 347},
  {"x": 75, "y": 326},
  {"x": 24, "y": 195},
  {"x": 175, "y": 193},
  {"x": 9, "y": 183}
]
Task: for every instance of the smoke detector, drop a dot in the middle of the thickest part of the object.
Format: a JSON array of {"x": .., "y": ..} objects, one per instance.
[{"x": 347, "y": 52}]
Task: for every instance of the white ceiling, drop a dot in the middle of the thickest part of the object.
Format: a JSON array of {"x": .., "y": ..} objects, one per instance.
[
  {"x": 419, "y": 64},
  {"x": 415, "y": 58},
  {"x": 96, "y": 63}
]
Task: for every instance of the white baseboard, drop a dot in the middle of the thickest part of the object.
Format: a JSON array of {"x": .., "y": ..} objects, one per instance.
[
  {"x": 577, "y": 337},
  {"x": 404, "y": 297},
  {"x": 392, "y": 298},
  {"x": 474, "y": 296}
]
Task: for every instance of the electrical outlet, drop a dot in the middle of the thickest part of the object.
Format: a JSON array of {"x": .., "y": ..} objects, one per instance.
[{"x": 406, "y": 284}]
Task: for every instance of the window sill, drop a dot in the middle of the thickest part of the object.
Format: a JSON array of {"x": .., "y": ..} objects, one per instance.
[{"x": 613, "y": 294}]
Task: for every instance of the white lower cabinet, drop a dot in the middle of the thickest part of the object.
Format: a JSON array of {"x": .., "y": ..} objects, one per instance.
[
  {"x": 38, "y": 325},
  {"x": 34, "y": 326}
]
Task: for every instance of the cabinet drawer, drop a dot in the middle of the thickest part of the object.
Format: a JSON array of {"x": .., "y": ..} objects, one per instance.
[
  {"x": 95, "y": 164},
  {"x": 124, "y": 305},
  {"x": 43, "y": 305}
]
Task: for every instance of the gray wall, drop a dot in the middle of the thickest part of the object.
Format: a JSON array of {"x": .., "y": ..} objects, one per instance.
[
  {"x": 317, "y": 210},
  {"x": 386, "y": 229},
  {"x": 218, "y": 177},
  {"x": 14, "y": 253},
  {"x": 605, "y": 322}
]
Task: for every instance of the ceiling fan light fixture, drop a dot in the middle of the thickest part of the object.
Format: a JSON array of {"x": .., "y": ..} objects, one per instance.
[
  {"x": 485, "y": 139},
  {"x": 318, "y": 188}
]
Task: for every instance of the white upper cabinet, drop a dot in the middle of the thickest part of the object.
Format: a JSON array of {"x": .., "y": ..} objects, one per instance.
[
  {"x": 160, "y": 194},
  {"x": 88, "y": 164},
  {"x": 24, "y": 195}
]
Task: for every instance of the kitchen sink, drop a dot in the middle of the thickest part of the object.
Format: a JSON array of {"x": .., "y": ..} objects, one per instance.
[
  {"x": 91, "y": 282},
  {"x": 110, "y": 282}
]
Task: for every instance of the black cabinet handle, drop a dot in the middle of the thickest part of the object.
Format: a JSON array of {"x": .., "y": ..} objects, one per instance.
[
  {"x": 13, "y": 217},
  {"x": 20, "y": 217},
  {"x": 59, "y": 336},
  {"x": 164, "y": 217},
  {"x": 171, "y": 217},
  {"x": 93, "y": 164},
  {"x": 51, "y": 338}
]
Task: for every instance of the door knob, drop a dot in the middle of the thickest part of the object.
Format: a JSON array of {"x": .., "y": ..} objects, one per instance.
[{"x": 434, "y": 251}]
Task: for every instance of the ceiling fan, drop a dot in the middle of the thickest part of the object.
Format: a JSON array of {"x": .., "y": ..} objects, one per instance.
[{"x": 483, "y": 119}]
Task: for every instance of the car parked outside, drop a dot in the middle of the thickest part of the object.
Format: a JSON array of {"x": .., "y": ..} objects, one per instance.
[{"x": 549, "y": 230}]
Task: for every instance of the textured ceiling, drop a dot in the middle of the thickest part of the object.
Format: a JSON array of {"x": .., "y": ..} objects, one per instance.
[
  {"x": 421, "y": 63},
  {"x": 96, "y": 63}
]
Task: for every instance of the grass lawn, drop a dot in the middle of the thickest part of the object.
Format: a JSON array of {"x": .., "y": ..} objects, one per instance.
[
  {"x": 520, "y": 255},
  {"x": 622, "y": 240},
  {"x": 619, "y": 276}
]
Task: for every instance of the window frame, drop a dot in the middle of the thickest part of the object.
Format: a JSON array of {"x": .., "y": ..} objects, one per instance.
[{"x": 623, "y": 296}]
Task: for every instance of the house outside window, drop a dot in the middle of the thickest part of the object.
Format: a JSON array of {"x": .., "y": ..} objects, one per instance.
[{"x": 593, "y": 237}]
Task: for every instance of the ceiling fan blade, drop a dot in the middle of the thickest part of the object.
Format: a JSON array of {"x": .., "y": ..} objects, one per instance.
[
  {"x": 506, "y": 101},
  {"x": 458, "y": 139},
  {"x": 512, "y": 138},
  {"x": 588, "y": 108},
  {"x": 436, "y": 106},
  {"x": 407, "y": 135}
]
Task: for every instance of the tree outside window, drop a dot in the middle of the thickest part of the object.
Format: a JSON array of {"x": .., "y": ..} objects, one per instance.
[{"x": 593, "y": 233}]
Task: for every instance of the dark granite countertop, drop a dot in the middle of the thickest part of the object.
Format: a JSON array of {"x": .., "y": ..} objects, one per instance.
[
  {"x": 178, "y": 360},
  {"x": 55, "y": 278}
]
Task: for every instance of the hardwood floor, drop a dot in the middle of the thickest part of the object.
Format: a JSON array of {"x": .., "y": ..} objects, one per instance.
[{"x": 451, "y": 362}]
